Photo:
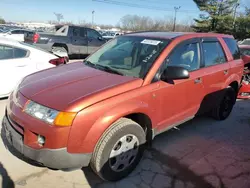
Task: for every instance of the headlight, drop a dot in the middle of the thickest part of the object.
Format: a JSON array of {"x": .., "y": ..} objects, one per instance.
[{"x": 49, "y": 115}]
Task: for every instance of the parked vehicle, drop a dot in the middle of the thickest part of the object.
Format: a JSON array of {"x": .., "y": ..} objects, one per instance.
[
  {"x": 244, "y": 42},
  {"x": 16, "y": 34},
  {"x": 244, "y": 92},
  {"x": 111, "y": 35},
  {"x": 17, "y": 60},
  {"x": 103, "y": 111},
  {"x": 71, "y": 39}
]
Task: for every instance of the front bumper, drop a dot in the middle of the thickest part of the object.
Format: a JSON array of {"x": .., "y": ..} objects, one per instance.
[{"x": 52, "y": 158}]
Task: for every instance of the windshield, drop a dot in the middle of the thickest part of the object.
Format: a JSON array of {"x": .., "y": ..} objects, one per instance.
[
  {"x": 130, "y": 55},
  {"x": 246, "y": 42}
]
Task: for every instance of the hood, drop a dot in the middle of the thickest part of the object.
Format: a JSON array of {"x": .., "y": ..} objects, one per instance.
[{"x": 74, "y": 86}]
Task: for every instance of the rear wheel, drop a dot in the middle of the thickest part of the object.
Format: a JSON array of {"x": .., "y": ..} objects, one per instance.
[
  {"x": 223, "y": 110},
  {"x": 119, "y": 150}
]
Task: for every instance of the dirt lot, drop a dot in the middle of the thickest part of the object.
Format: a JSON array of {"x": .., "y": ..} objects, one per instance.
[{"x": 203, "y": 153}]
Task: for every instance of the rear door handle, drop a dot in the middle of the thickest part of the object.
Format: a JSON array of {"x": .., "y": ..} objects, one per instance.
[
  {"x": 198, "y": 80},
  {"x": 225, "y": 72}
]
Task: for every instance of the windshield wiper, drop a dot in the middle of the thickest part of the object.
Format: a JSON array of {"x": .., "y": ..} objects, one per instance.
[
  {"x": 103, "y": 67},
  {"x": 109, "y": 69},
  {"x": 89, "y": 63}
]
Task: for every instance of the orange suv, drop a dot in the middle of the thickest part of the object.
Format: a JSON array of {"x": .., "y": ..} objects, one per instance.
[{"x": 103, "y": 111}]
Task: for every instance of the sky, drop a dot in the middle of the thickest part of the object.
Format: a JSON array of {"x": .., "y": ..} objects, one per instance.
[{"x": 81, "y": 10}]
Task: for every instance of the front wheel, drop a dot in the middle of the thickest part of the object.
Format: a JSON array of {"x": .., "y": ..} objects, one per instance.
[
  {"x": 223, "y": 110},
  {"x": 119, "y": 150}
]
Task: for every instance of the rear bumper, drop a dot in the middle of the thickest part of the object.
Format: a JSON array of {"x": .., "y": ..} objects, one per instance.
[{"x": 52, "y": 158}]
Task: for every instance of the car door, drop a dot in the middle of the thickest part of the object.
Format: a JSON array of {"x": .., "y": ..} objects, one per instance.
[
  {"x": 180, "y": 99},
  {"x": 95, "y": 40},
  {"x": 15, "y": 64},
  {"x": 215, "y": 70},
  {"x": 79, "y": 41}
]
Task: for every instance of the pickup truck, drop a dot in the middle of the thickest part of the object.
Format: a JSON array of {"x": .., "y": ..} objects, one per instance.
[
  {"x": 71, "y": 39},
  {"x": 104, "y": 111}
]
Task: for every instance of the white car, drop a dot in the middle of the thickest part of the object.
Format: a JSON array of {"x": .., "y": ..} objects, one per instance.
[
  {"x": 18, "y": 60},
  {"x": 16, "y": 34}
]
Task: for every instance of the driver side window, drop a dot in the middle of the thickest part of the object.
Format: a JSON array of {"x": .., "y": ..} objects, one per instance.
[{"x": 186, "y": 56}]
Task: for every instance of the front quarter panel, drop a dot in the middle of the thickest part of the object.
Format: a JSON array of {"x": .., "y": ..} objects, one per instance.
[{"x": 90, "y": 123}]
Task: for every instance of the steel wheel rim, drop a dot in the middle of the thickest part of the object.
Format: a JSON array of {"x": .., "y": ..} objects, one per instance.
[{"x": 123, "y": 153}]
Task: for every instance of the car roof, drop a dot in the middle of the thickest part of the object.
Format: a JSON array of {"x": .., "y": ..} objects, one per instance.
[{"x": 172, "y": 35}]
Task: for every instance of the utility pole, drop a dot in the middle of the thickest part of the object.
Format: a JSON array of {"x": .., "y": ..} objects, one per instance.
[
  {"x": 175, "y": 13},
  {"x": 235, "y": 10},
  {"x": 93, "y": 13}
]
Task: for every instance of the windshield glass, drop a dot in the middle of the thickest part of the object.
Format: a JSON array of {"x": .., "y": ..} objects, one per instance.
[
  {"x": 130, "y": 55},
  {"x": 246, "y": 42}
]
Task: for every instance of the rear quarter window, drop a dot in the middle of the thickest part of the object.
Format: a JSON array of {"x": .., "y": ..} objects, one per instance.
[{"x": 233, "y": 47}]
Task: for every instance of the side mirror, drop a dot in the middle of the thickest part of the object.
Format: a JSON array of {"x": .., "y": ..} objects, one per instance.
[
  {"x": 174, "y": 73},
  {"x": 100, "y": 38}
]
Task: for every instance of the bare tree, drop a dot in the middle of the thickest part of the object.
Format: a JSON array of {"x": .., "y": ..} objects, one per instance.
[
  {"x": 59, "y": 16},
  {"x": 139, "y": 23}
]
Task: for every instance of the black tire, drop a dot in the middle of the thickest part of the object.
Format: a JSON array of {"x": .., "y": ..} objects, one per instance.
[
  {"x": 101, "y": 162},
  {"x": 224, "y": 108}
]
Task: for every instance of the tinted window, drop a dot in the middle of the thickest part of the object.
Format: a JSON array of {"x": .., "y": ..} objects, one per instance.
[
  {"x": 16, "y": 32},
  {"x": 76, "y": 32},
  {"x": 186, "y": 56},
  {"x": 19, "y": 53},
  {"x": 93, "y": 34},
  {"x": 213, "y": 53},
  {"x": 82, "y": 32},
  {"x": 233, "y": 47},
  {"x": 6, "y": 52}
]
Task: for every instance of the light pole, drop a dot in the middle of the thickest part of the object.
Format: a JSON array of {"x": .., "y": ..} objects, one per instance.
[
  {"x": 175, "y": 12},
  {"x": 236, "y": 6},
  {"x": 93, "y": 13}
]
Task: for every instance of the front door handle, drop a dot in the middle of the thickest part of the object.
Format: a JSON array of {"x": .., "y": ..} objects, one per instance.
[
  {"x": 198, "y": 80},
  {"x": 225, "y": 72}
]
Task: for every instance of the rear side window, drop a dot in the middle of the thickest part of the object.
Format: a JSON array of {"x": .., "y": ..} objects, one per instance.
[
  {"x": 82, "y": 32},
  {"x": 233, "y": 47},
  {"x": 19, "y": 53},
  {"x": 6, "y": 52},
  {"x": 213, "y": 53},
  {"x": 16, "y": 32},
  {"x": 76, "y": 32}
]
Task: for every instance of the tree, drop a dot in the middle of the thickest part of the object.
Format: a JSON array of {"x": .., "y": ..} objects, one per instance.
[
  {"x": 215, "y": 11},
  {"x": 143, "y": 23},
  {"x": 2, "y": 21},
  {"x": 59, "y": 16}
]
